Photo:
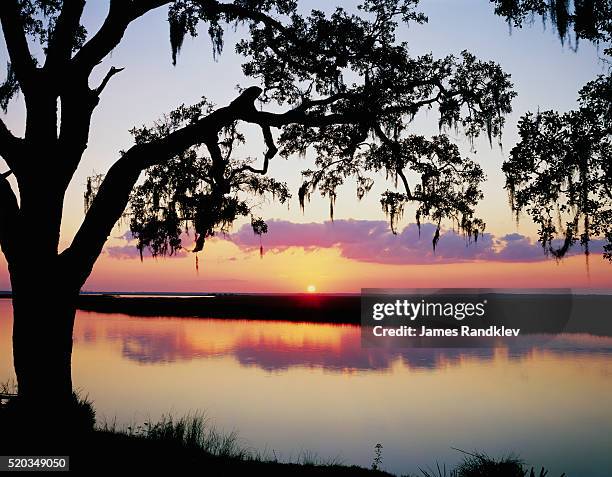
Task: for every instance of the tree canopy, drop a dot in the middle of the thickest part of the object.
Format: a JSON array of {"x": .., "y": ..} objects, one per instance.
[
  {"x": 339, "y": 84},
  {"x": 348, "y": 90},
  {"x": 561, "y": 173}
]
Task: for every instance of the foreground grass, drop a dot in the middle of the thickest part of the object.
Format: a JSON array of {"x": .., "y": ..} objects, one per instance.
[
  {"x": 192, "y": 444},
  {"x": 478, "y": 464},
  {"x": 194, "y": 434},
  {"x": 188, "y": 444}
]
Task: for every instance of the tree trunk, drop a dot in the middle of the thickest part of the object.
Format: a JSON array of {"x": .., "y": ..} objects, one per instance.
[
  {"x": 46, "y": 416},
  {"x": 43, "y": 299},
  {"x": 42, "y": 343}
]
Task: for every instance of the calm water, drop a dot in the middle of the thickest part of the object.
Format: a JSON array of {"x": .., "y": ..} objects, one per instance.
[{"x": 294, "y": 387}]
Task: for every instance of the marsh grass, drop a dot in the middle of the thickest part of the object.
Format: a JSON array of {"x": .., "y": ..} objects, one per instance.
[
  {"x": 193, "y": 432},
  {"x": 478, "y": 464}
]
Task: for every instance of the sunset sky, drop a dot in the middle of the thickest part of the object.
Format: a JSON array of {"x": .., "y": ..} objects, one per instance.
[{"x": 307, "y": 249}]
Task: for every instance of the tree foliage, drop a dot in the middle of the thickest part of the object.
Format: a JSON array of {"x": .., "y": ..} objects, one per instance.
[
  {"x": 208, "y": 191},
  {"x": 589, "y": 20},
  {"x": 40, "y": 18},
  {"x": 560, "y": 172},
  {"x": 349, "y": 91}
]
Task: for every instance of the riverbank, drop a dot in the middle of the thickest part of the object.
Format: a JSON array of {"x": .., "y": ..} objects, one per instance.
[
  {"x": 184, "y": 445},
  {"x": 189, "y": 445}
]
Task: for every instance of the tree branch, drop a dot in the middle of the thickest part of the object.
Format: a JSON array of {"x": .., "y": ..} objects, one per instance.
[
  {"x": 113, "y": 71},
  {"x": 9, "y": 145},
  {"x": 238, "y": 12},
  {"x": 270, "y": 153},
  {"x": 402, "y": 176},
  {"x": 113, "y": 195},
  {"x": 398, "y": 168},
  {"x": 9, "y": 212},
  {"x": 120, "y": 14},
  {"x": 309, "y": 103},
  {"x": 61, "y": 42},
  {"x": 16, "y": 42}
]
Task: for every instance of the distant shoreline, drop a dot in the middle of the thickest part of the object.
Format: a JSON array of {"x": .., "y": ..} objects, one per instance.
[
  {"x": 341, "y": 309},
  {"x": 317, "y": 308},
  {"x": 590, "y": 312}
]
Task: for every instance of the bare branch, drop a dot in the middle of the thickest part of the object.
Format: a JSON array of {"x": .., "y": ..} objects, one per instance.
[
  {"x": 113, "y": 71},
  {"x": 270, "y": 153}
]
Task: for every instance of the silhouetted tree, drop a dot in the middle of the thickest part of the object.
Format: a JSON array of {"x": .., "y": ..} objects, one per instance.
[
  {"x": 589, "y": 20},
  {"x": 342, "y": 84},
  {"x": 560, "y": 172}
]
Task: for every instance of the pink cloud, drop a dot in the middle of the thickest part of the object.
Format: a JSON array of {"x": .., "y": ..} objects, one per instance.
[{"x": 372, "y": 241}]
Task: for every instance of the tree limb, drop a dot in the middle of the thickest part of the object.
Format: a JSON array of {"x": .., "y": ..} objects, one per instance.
[
  {"x": 113, "y": 71},
  {"x": 270, "y": 153},
  {"x": 61, "y": 42},
  {"x": 9, "y": 212},
  {"x": 9, "y": 145},
  {"x": 16, "y": 42},
  {"x": 398, "y": 168},
  {"x": 238, "y": 12},
  {"x": 402, "y": 176},
  {"x": 113, "y": 195},
  {"x": 120, "y": 14}
]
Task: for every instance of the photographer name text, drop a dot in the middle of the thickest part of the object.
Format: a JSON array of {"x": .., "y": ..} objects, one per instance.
[
  {"x": 410, "y": 331},
  {"x": 423, "y": 309}
]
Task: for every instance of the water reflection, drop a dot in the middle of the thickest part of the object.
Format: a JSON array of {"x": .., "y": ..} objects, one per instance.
[
  {"x": 276, "y": 346},
  {"x": 294, "y": 386}
]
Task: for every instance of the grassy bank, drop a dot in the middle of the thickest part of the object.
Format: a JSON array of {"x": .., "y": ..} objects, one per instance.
[
  {"x": 184, "y": 445},
  {"x": 191, "y": 444}
]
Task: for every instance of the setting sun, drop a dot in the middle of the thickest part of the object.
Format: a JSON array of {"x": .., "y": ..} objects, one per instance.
[{"x": 311, "y": 289}]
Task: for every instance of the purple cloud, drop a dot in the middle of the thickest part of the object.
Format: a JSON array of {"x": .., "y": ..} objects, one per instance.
[{"x": 373, "y": 241}]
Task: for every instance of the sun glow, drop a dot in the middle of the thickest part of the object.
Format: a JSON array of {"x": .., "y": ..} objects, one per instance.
[{"x": 311, "y": 289}]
